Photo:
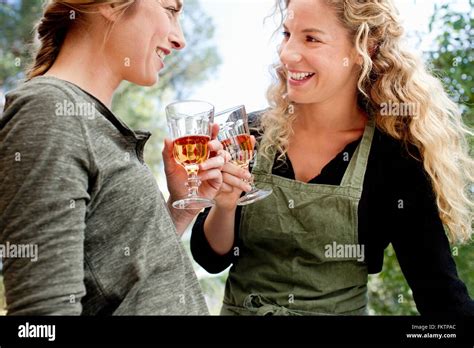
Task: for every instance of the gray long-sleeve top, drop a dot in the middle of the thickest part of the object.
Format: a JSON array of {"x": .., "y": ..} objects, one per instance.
[{"x": 73, "y": 182}]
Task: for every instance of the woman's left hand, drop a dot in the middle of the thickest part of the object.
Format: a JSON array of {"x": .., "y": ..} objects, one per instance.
[{"x": 209, "y": 171}]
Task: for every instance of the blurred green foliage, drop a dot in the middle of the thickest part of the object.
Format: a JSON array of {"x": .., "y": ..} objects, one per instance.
[
  {"x": 17, "y": 18},
  {"x": 389, "y": 293},
  {"x": 453, "y": 58}
]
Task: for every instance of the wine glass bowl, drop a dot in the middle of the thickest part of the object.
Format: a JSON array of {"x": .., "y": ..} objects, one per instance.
[
  {"x": 240, "y": 148},
  {"x": 189, "y": 151}
]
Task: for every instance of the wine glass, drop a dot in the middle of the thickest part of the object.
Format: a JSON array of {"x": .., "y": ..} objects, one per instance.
[
  {"x": 190, "y": 125},
  {"x": 234, "y": 136}
]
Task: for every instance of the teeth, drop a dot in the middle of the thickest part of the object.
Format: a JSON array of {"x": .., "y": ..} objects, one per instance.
[
  {"x": 160, "y": 53},
  {"x": 299, "y": 76}
]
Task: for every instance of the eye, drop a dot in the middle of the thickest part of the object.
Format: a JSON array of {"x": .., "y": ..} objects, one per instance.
[
  {"x": 286, "y": 34},
  {"x": 173, "y": 10},
  {"x": 312, "y": 39}
]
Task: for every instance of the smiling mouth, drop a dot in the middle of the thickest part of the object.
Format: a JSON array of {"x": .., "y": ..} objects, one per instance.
[{"x": 300, "y": 76}]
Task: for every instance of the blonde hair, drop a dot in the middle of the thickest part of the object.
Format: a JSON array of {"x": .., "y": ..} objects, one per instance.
[
  {"x": 390, "y": 73},
  {"x": 59, "y": 16}
]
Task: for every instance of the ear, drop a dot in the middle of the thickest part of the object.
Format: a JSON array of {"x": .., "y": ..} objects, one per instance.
[
  {"x": 356, "y": 57},
  {"x": 108, "y": 12}
]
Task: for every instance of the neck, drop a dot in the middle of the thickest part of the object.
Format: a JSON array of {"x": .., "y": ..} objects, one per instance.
[
  {"x": 76, "y": 64},
  {"x": 331, "y": 116}
]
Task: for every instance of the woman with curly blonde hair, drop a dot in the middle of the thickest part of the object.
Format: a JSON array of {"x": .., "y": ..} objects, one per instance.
[{"x": 362, "y": 147}]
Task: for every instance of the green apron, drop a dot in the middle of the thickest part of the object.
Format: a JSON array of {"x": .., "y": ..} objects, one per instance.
[{"x": 290, "y": 260}]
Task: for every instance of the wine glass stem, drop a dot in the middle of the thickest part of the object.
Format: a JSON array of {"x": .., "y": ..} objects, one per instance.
[
  {"x": 250, "y": 181},
  {"x": 193, "y": 184}
]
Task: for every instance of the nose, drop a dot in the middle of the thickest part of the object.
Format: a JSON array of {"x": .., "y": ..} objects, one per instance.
[
  {"x": 289, "y": 53},
  {"x": 178, "y": 42}
]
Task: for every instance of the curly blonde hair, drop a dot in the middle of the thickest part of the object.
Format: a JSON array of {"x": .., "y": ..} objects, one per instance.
[{"x": 390, "y": 73}]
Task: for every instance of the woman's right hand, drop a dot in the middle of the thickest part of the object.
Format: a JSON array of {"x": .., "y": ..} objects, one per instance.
[{"x": 233, "y": 184}]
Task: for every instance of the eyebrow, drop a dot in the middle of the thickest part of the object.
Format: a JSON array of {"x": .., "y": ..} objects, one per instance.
[{"x": 308, "y": 30}]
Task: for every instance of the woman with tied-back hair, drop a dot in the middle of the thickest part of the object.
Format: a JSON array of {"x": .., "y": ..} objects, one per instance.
[
  {"x": 72, "y": 176},
  {"x": 362, "y": 147}
]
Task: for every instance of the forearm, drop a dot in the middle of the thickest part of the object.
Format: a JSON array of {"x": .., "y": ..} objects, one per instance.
[{"x": 219, "y": 229}]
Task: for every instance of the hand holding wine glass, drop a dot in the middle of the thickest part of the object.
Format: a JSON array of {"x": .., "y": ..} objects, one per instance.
[
  {"x": 190, "y": 127},
  {"x": 235, "y": 137},
  {"x": 209, "y": 171}
]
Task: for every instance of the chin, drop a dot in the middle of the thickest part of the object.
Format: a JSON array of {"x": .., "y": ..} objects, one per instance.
[
  {"x": 150, "y": 82},
  {"x": 145, "y": 81},
  {"x": 300, "y": 99}
]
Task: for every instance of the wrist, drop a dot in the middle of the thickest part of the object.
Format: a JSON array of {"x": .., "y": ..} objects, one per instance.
[
  {"x": 228, "y": 208},
  {"x": 181, "y": 217},
  {"x": 180, "y": 214}
]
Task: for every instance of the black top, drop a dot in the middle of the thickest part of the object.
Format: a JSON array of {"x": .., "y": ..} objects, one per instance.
[{"x": 397, "y": 206}]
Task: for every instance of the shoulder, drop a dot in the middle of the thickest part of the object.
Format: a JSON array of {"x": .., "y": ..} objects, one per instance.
[
  {"x": 394, "y": 152},
  {"x": 42, "y": 89},
  {"x": 255, "y": 116},
  {"x": 41, "y": 115},
  {"x": 398, "y": 167},
  {"x": 43, "y": 103}
]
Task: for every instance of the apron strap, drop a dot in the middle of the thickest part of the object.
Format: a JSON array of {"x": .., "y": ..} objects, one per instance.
[
  {"x": 355, "y": 172},
  {"x": 262, "y": 164}
]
